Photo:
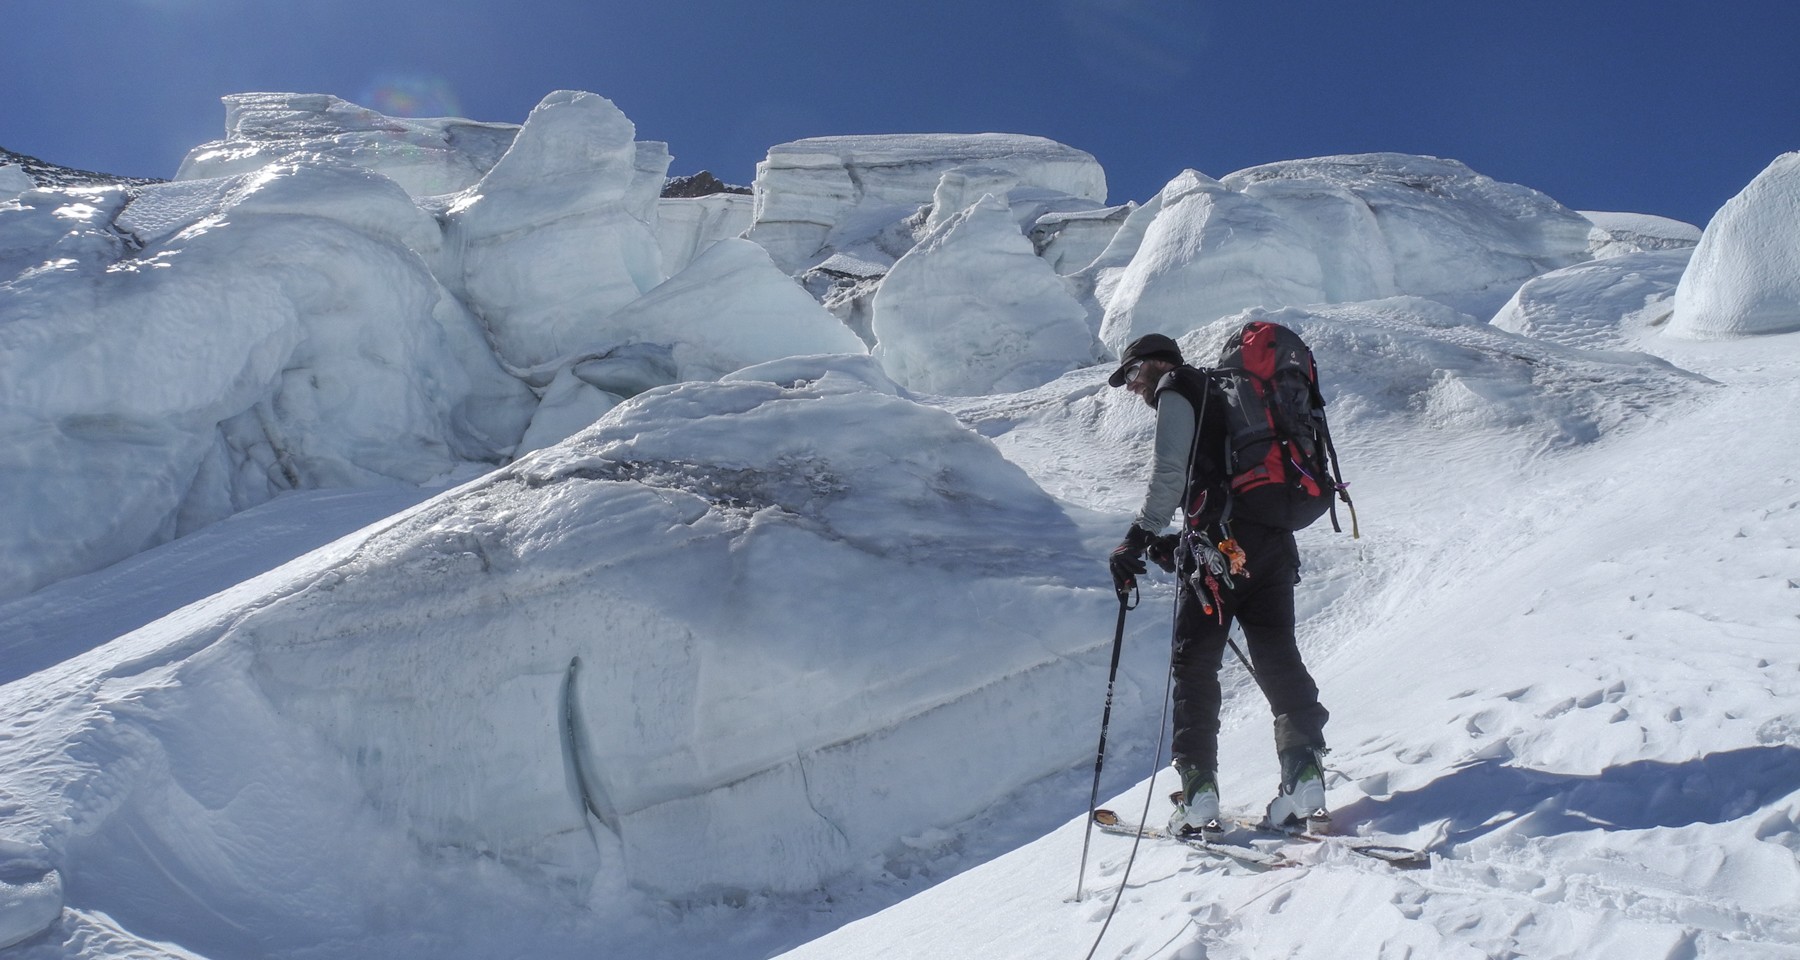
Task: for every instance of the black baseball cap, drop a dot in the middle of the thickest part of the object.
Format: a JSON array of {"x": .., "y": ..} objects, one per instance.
[{"x": 1150, "y": 346}]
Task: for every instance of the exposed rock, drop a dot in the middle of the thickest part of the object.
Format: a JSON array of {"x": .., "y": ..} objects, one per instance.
[
  {"x": 43, "y": 173},
  {"x": 702, "y": 184}
]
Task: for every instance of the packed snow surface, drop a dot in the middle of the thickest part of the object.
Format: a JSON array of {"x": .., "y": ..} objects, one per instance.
[{"x": 452, "y": 551}]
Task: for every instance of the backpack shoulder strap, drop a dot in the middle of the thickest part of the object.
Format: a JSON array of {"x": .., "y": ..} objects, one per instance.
[{"x": 1208, "y": 471}]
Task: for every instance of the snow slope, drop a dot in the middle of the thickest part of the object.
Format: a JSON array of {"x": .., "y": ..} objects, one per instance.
[{"x": 1572, "y": 680}]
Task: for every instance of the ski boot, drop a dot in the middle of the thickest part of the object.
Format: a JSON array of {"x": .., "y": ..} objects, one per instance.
[
  {"x": 1300, "y": 804},
  {"x": 1196, "y": 804}
]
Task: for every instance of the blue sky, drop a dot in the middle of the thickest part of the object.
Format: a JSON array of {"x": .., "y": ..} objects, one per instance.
[{"x": 1653, "y": 106}]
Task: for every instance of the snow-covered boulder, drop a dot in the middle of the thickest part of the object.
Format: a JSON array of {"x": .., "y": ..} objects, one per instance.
[
  {"x": 1334, "y": 229},
  {"x": 1606, "y": 304},
  {"x": 1745, "y": 275},
  {"x": 856, "y": 194},
  {"x": 973, "y": 309},
  {"x": 558, "y": 235},
  {"x": 425, "y": 156},
  {"x": 289, "y": 336},
  {"x": 685, "y": 226}
]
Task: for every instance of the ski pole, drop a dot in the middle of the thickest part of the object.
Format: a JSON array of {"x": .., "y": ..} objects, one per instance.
[
  {"x": 1112, "y": 676},
  {"x": 1249, "y": 666},
  {"x": 1162, "y": 732},
  {"x": 1246, "y": 660}
]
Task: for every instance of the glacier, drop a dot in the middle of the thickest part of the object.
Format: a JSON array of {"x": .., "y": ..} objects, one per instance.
[{"x": 426, "y": 539}]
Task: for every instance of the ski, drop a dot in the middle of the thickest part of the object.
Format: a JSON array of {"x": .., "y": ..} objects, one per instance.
[
  {"x": 1109, "y": 822},
  {"x": 1398, "y": 857}
]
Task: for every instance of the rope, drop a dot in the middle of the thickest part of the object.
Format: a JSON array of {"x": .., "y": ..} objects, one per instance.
[{"x": 1162, "y": 726}]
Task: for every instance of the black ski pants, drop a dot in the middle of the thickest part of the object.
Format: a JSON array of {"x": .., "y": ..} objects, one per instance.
[{"x": 1263, "y": 602}]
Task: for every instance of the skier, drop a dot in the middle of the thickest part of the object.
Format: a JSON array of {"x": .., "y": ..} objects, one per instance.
[{"x": 1254, "y": 587}]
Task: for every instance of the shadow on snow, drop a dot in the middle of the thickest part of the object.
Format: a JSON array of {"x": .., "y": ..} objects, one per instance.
[{"x": 1487, "y": 796}]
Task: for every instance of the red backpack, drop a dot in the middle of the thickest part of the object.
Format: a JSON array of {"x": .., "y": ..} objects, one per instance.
[{"x": 1283, "y": 467}]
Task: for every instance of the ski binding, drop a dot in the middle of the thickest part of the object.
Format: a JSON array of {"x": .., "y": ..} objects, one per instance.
[{"x": 1207, "y": 842}]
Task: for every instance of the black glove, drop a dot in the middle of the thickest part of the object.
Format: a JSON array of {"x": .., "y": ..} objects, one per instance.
[
  {"x": 1127, "y": 559},
  {"x": 1162, "y": 551}
]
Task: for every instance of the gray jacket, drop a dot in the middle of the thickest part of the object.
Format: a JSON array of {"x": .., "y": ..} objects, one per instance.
[{"x": 1169, "y": 461}]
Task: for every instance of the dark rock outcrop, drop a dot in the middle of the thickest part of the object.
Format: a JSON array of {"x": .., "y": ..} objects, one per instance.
[
  {"x": 702, "y": 184},
  {"x": 47, "y": 174}
]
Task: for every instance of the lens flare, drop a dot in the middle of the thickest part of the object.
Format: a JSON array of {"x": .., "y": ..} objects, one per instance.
[{"x": 412, "y": 96}]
